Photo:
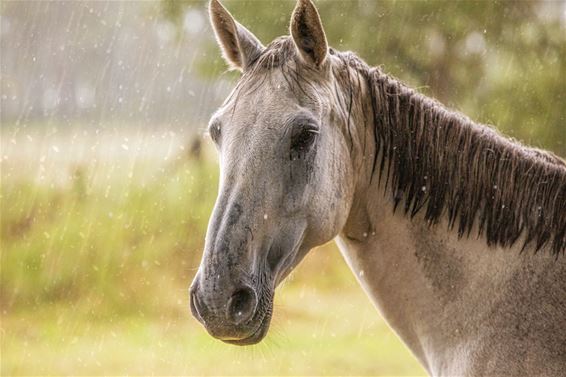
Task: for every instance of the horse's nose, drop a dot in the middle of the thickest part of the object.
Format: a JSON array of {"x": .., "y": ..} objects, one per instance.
[{"x": 241, "y": 305}]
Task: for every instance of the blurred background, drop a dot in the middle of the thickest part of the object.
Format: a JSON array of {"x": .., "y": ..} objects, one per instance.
[{"x": 107, "y": 178}]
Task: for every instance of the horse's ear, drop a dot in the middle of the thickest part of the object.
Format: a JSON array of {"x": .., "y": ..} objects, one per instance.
[
  {"x": 308, "y": 34},
  {"x": 239, "y": 46}
]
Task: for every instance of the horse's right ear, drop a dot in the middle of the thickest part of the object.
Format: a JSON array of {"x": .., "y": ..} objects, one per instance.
[{"x": 239, "y": 46}]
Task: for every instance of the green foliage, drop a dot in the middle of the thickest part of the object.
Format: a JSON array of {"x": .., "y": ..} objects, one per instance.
[
  {"x": 100, "y": 243},
  {"x": 499, "y": 62}
]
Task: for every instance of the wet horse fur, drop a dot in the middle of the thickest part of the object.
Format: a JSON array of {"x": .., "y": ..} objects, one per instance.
[{"x": 455, "y": 232}]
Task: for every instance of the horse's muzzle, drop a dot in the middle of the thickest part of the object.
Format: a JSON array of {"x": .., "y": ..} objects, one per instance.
[{"x": 235, "y": 320}]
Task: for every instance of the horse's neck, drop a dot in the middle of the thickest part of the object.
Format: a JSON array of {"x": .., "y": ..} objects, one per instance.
[
  {"x": 439, "y": 292},
  {"x": 461, "y": 306}
]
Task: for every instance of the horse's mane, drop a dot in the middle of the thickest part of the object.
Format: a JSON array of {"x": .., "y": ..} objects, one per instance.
[{"x": 441, "y": 162}]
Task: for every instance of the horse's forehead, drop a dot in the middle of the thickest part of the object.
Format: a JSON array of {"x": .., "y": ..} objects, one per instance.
[{"x": 254, "y": 105}]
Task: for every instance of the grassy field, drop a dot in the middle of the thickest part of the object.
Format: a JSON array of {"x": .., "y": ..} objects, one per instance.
[{"x": 101, "y": 233}]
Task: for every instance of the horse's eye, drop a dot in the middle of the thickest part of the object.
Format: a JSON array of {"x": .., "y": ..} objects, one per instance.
[{"x": 303, "y": 140}]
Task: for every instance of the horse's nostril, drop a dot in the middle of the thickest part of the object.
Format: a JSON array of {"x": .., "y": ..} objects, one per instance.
[
  {"x": 242, "y": 305},
  {"x": 196, "y": 307}
]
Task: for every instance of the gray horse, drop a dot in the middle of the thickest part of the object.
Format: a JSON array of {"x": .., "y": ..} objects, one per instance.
[{"x": 456, "y": 233}]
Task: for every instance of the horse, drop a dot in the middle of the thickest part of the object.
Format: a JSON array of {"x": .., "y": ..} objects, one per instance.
[{"x": 455, "y": 232}]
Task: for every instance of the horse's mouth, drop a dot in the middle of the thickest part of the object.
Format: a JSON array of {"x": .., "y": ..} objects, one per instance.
[{"x": 256, "y": 336}]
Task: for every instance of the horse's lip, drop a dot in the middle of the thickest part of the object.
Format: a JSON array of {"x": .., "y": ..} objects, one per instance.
[{"x": 256, "y": 336}]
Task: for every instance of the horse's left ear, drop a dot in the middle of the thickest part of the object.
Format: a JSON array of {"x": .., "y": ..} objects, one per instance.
[
  {"x": 239, "y": 46},
  {"x": 308, "y": 34}
]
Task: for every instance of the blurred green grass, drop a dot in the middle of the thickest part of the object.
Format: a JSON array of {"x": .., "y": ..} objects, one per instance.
[{"x": 95, "y": 268}]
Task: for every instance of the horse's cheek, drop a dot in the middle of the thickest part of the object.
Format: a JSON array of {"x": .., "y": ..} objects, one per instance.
[{"x": 330, "y": 203}]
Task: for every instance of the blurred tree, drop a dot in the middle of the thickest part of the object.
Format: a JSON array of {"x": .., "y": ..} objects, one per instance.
[{"x": 502, "y": 63}]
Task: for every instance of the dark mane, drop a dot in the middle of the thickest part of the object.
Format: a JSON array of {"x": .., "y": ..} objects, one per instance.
[{"x": 441, "y": 162}]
